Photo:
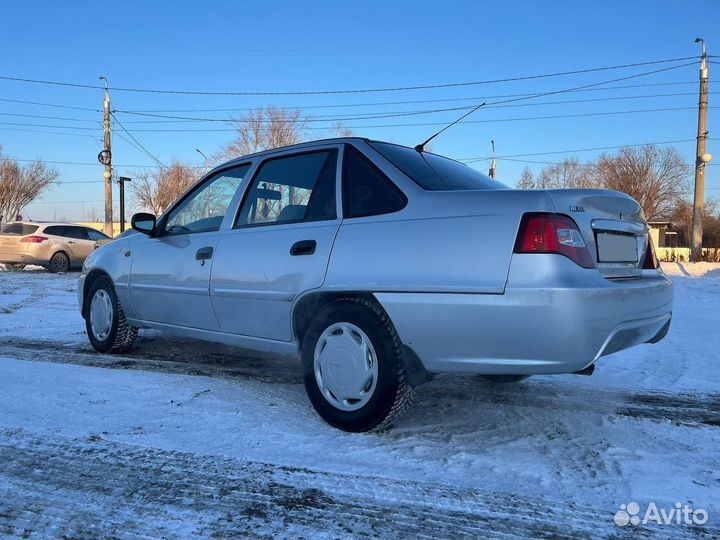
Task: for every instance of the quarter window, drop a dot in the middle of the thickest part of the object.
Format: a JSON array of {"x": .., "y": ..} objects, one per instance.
[
  {"x": 367, "y": 191},
  {"x": 205, "y": 209},
  {"x": 293, "y": 188}
]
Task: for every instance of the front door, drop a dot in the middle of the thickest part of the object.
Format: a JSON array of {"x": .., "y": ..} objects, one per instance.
[
  {"x": 279, "y": 245},
  {"x": 170, "y": 273}
]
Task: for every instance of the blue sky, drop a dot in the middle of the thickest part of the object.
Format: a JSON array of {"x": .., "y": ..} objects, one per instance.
[{"x": 300, "y": 46}]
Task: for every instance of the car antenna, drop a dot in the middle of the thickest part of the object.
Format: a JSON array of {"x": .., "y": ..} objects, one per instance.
[{"x": 421, "y": 147}]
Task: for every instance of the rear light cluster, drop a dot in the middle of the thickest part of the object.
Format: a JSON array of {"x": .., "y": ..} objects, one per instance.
[
  {"x": 33, "y": 239},
  {"x": 553, "y": 233},
  {"x": 651, "y": 261}
]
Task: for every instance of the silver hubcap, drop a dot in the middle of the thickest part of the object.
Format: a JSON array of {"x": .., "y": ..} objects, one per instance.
[
  {"x": 101, "y": 315},
  {"x": 346, "y": 368}
]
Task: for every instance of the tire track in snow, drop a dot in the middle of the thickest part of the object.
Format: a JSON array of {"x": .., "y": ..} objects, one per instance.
[
  {"x": 172, "y": 356},
  {"x": 54, "y": 486}
]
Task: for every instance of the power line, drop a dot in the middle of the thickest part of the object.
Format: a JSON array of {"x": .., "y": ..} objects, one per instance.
[
  {"x": 377, "y": 115},
  {"x": 408, "y": 102},
  {"x": 507, "y": 156},
  {"x": 45, "y": 132},
  {"x": 49, "y": 105},
  {"x": 70, "y": 119},
  {"x": 351, "y": 91},
  {"x": 138, "y": 142}
]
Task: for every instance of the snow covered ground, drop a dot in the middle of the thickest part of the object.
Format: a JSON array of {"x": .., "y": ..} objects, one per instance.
[{"x": 183, "y": 439}]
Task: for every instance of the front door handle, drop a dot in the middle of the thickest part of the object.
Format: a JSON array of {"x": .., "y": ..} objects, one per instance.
[
  {"x": 303, "y": 247},
  {"x": 203, "y": 254}
]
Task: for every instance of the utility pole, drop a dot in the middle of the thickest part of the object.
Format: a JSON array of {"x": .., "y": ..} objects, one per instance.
[
  {"x": 121, "y": 183},
  {"x": 493, "y": 166},
  {"x": 702, "y": 158},
  {"x": 107, "y": 161}
]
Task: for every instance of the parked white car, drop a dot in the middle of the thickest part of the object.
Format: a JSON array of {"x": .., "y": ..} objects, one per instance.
[{"x": 381, "y": 265}]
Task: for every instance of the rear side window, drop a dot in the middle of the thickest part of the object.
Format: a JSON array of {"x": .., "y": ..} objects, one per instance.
[
  {"x": 19, "y": 229},
  {"x": 433, "y": 172},
  {"x": 77, "y": 233},
  {"x": 366, "y": 190},
  {"x": 55, "y": 230},
  {"x": 299, "y": 187}
]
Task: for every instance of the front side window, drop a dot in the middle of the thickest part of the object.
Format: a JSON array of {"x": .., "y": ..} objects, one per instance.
[
  {"x": 292, "y": 188},
  {"x": 204, "y": 209},
  {"x": 433, "y": 172},
  {"x": 96, "y": 236}
]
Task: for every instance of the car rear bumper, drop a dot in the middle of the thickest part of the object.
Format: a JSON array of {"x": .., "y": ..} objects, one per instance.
[
  {"x": 553, "y": 317},
  {"x": 19, "y": 258}
]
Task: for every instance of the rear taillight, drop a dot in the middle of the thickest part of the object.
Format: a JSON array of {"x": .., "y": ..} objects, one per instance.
[
  {"x": 553, "y": 233},
  {"x": 33, "y": 239},
  {"x": 651, "y": 261}
]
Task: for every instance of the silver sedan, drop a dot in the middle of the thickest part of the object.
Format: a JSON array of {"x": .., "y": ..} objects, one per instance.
[{"x": 379, "y": 266}]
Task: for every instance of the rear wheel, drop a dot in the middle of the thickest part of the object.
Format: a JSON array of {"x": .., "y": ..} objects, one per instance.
[
  {"x": 59, "y": 263},
  {"x": 15, "y": 267},
  {"x": 352, "y": 367},
  {"x": 105, "y": 322},
  {"x": 504, "y": 378}
]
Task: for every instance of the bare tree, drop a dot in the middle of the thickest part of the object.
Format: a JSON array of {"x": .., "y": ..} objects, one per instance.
[
  {"x": 266, "y": 128},
  {"x": 21, "y": 184},
  {"x": 527, "y": 180},
  {"x": 156, "y": 191},
  {"x": 568, "y": 174},
  {"x": 340, "y": 130},
  {"x": 655, "y": 177}
]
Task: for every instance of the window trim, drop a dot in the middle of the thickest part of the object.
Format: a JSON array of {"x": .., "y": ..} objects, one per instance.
[
  {"x": 346, "y": 191},
  {"x": 258, "y": 169},
  {"x": 162, "y": 220}
]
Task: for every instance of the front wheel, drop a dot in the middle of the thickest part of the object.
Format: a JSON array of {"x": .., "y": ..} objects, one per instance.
[
  {"x": 105, "y": 322},
  {"x": 352, "y": 367}
]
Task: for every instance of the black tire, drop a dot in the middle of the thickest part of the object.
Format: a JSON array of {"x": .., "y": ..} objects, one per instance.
[
  {"x": 15, "y": 267},
  {"x": 59, "y": 263},
  {"x": 393, "y": 393},
  {"x": 121, "y": 336},
  {"x": 504, "y": 378}
]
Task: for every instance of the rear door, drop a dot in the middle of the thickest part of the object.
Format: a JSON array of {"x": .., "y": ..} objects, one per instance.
[
  {"x": 279, "y": 245},
  {"x": 170, "y": 273}
]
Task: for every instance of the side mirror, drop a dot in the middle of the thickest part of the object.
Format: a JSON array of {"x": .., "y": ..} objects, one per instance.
[{"x": 144, "y": 223}]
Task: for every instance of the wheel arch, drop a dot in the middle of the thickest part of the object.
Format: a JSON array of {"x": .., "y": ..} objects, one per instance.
[
  {"x": 91, "y": 278},
  {"x": 311, "y": 303}
]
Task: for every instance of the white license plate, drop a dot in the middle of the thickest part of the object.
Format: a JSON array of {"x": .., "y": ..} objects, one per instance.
[{"x": 616, "y": 248}]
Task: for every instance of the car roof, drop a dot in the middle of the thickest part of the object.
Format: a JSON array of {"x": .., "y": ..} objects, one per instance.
[
  {"x": 45, "y": 224},
  {"x": 298, "y": 146}
]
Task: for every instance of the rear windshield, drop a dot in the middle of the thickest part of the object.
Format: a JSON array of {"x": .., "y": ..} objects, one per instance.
[
  {"x": 433, "y": 172},
  {"x": 20, "y": 229}
]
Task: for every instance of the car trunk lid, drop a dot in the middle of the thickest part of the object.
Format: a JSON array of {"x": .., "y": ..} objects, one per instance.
[{"x": 613, "y": 226}]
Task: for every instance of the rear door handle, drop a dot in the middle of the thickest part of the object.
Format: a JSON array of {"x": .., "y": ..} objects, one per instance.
[
  {"x": 203, "y": 254},
  {"x": 303, "y": 247}
]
